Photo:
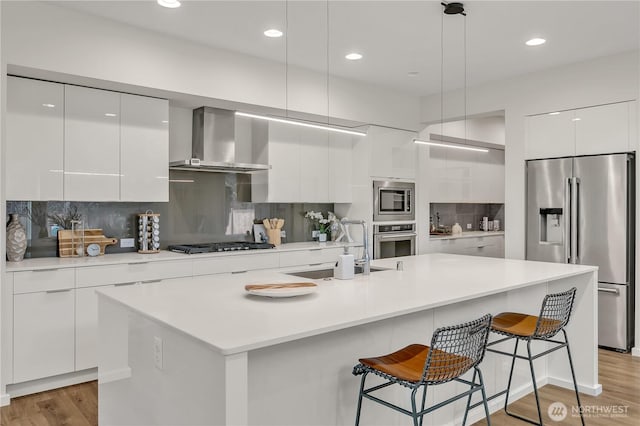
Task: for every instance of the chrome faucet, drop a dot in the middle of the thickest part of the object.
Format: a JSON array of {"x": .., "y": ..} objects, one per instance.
[{"x": 365, "y": 262}]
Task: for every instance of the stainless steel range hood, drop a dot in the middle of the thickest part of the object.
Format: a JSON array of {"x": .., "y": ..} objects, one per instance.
[{"x": 213, "y": 145}]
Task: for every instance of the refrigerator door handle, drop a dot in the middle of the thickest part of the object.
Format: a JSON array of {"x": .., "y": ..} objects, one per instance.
[
  {"x": 567, "y": 221},
  {"x": 575, "y": 255},
  {"x": 609, "y": 290}
]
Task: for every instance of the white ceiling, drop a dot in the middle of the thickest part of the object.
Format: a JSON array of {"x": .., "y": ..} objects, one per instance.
[{"x": 397, "y": 37}]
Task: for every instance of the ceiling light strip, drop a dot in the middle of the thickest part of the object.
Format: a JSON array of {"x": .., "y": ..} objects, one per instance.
[
  {"x": 446, "y": 145},
  {"x": 301, "y": 123}
]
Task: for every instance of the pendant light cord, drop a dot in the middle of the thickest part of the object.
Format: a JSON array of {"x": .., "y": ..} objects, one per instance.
[
  {"x": 465, "y": 76},
  {"x": 442, "y": 73},
  {"x": 286, "y": 58}
]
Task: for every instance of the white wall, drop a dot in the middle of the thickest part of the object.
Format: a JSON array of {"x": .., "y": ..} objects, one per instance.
[
  {"x": 484, "y": 129},
  {"x": 48, "y": 37}
]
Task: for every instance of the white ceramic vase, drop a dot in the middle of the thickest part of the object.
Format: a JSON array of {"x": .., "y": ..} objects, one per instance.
[{"x": 16, "y": 239}]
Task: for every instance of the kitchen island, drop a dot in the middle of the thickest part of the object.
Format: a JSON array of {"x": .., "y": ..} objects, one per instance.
[{"x": 203, "y": 351}]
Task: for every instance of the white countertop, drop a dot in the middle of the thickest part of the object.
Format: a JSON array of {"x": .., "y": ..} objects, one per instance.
[
  {"x": 164, "y": 255},
  {"x": 218, "y": 311},
  {"x": 468, "y": 234}
]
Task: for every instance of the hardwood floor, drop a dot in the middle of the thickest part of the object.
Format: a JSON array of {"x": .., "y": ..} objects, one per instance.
[
  {"x": 71, "y": 406},
  {"x": 620, "y": 379},
  {"x": 619, "y": 375}
]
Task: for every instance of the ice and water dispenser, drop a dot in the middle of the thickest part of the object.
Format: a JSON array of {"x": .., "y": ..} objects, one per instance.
[{"x": 551, "y": 225}]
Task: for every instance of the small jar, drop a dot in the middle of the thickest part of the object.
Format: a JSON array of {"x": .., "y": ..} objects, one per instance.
[{"x": 456, "y": 229}]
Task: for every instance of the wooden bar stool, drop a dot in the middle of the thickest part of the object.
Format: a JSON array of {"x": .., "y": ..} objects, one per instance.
[
  {"x": 554, "y": 316},
  {"x": 453, "y": 351}
]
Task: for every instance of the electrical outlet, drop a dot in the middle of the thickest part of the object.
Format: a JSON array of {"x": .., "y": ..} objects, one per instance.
[
  {"x": 469, "y": 226},
  {"x": 157, "y": 352},
  {"x": 127, "y": 242}
]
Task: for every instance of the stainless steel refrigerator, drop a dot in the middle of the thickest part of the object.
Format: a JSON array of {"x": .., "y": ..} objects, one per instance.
[{"x": 582, "y": 210}]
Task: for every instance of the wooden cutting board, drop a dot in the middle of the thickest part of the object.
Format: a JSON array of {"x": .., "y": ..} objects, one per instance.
[
  {"x": 69, "y": 241},
  {"x": 250, "y": 287}
]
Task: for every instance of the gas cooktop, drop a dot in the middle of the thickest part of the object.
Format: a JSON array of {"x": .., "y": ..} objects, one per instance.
[{"x": 217, "y": 247}]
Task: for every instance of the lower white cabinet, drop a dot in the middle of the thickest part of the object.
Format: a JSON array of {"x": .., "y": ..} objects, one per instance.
[
  {"x": 86, "y": 328},
  {"x": 43, "y": 335},
  {"x": 312, "y": 257},
  {"x": 487, "y": 246}
]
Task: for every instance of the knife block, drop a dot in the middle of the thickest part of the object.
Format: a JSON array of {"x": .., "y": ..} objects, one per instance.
[{"x": 273, "y": 235}]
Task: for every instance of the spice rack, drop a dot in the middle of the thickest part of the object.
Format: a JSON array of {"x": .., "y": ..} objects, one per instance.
[{"x": 149, "y": 232}]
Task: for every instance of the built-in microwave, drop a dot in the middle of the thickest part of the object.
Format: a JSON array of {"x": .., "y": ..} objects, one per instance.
[{"x": 393, "y": 201}]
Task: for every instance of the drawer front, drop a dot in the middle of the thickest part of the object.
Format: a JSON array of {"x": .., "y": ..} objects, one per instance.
[
  {"x": 310, "y": 257},
  {"x": 235, "y": 263},
  {"x": 132, "y": 272},
  {"x": 43, "y": 280}
]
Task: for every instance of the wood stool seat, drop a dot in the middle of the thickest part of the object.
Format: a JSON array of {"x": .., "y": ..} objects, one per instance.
[
  {"x": 408, "y": 364},
  {"x": 521, "y": 325}
]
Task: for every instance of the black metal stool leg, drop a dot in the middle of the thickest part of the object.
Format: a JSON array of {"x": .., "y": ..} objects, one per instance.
[
  {"x": 513, "y": 363},
  {"x": 533, "y": 380},
  {"x": 573, "y": 376},
  {"x": 364, "y": 375},
  {"x": 424, "y": 399},
  {"x": 484, "y": 397},
  {"x": 466, "y": 410},
  {"x": 414, "y": 413}
]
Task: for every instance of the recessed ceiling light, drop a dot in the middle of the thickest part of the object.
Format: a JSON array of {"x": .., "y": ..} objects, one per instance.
[
  {"x": 413, "y": 73},
  {"x": 109, "y": 114},
  {"x": 172, "y": 4},
  {"x": 273, "y": 33},
  {"x": 535, "y": 42},
  {"x": 576, "y": 119},
  {"x": 353, "y": 56},
  {"x": 49, "y": 105}
]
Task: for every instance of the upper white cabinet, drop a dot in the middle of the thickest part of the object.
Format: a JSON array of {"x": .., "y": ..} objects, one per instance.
[
  {"x": 595, "y": 130},
  {"x": 457, "y": 176},
  {"x": 34, "y": 148},
  {"x": 80, "y": 144},
  {"x": 393, "y": 153},
  {"x": 91, "y": 144},
  {"x": 144, "y": 148},
  {"x": 307, "y": 165}
]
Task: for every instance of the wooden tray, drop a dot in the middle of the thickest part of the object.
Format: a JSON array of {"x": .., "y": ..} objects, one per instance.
[
  {"x": 281, "y": 289},
  {"x": 69, "y": 241}
]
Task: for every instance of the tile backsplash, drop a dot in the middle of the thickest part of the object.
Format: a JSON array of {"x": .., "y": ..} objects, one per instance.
[
  {"x": 202, "y": 208},
  {"x": 465, "y": 213}
]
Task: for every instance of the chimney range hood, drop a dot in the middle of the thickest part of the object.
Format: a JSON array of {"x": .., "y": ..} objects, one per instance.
[{"x": 213, "y": 145}]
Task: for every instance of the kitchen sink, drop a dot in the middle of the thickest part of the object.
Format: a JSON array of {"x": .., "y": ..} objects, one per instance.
[{"x": 320, "y": 274}]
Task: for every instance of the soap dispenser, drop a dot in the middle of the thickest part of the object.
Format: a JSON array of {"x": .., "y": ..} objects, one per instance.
[{"x": 345, "y": 266}]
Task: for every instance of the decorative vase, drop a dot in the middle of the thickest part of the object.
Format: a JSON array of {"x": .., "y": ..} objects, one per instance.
[
  {"x": 16, "y": 239},
  {"x": 335, "y": 230},
  {"x": 456, "y": 229},
  {"x": 322, "y": 237}
]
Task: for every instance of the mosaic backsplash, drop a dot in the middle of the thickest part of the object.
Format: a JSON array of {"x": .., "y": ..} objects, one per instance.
[
  {"x": 203, "y": 207},
  {"x": 464, "y": 213}
]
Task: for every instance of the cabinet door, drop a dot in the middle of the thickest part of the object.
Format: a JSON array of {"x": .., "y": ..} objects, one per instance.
[
  {"x": 43, "y": 335},
  {"x": 314, "y": 165},
  {"x": 284, "y": 157},
  {"x": 34, "y": 153},
  {"x": 602, "y": 129},
  {"x": 393, "y": 153},
  {"x": 487, "y": 177},
  {"x": 144, "y": 149},
  {"x": 550, "y": 135},
  {"x": 91, "y": 145},
  {"x": 340, "y": 170}
]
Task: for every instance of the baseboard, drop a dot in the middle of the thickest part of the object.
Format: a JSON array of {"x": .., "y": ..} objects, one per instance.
[
  {"x": 5, "y": 399},
  {"x": 41, "y": 385},
  {"x": 114, "y": 376},
  {"x": 594, "y": 390},
  {"x": 635, "y": 351}
]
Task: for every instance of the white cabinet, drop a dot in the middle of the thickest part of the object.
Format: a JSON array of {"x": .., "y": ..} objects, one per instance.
[
  {"x": 234, "y": 263},
  {"x": 91, "y": 144},
  {"x": 34, "y": 149},
  {"x": 393, "y": 153},
  {"x": 86, "y": 328},
  {"x": 307, "y": 166},
  {"x": 311, "y": 257},
  {"x": 603, "y": 129},
  {"x": 486, "y": 246},
  {"x": 600, "y": 129},
  {"x": 457, "y": 176},
  {"x": 43, "y": 324},
  {"x": 144, "y": 149}
]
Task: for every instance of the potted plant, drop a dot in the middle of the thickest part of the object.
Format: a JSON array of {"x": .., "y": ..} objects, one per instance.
[{"x": 320, "y": 223}]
